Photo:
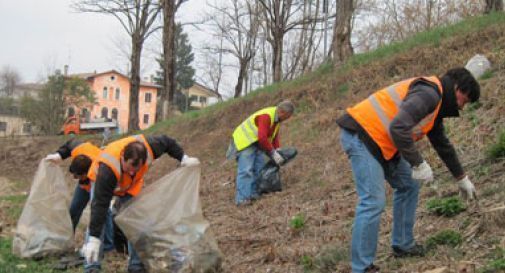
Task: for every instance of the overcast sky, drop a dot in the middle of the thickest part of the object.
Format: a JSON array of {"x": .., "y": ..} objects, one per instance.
[{"x": 41, "y": 35}]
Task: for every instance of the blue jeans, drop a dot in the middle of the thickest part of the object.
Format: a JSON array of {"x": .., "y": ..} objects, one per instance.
[
  {"x": 369, "y": 176},
  {"x": 250, "y": 162},
  {"x": 78, "y": 204},
  {"x": 134, "y": 262}
]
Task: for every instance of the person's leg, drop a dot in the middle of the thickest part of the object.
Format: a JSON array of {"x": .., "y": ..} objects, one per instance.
[
  {"x": 259, "y": 163},
  {"x": 78, "y": 204},
  {"x": 406, "y": 192},
  {"x": 369, "y": 179},
  {"x": 134, "y": 262},
  {"x": 93, "y": 267},
  {"x": 245, "y": 174},
  {"x": 108, "y": 239}
]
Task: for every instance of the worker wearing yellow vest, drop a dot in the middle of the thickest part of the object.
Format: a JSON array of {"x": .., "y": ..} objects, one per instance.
[
  {"x": 256, "y": 135},
  {"x": 378, "y": 135},
  {"x": 120, "y": 171}
]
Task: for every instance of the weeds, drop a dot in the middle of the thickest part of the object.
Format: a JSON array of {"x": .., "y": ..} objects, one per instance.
[
  {"x": 328, "y": 259},
  {"x": 297, "y": 222},
  {"x": 448, "y": 237},
  {"x": 497, "y": 150},
  {"x": 307, "y": 262},
  {"x": 448, "y": 207}
]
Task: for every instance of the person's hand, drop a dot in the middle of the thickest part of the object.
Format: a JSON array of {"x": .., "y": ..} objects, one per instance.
[
  {"x": 277, "y": 157},
  {"x": 55, "y": 158},
  {"x": 92, "y": 249},
  {"x": 466, "y": 189},
  {"x": 189, "y": 161},
  {"x": 423, "y": 173}
]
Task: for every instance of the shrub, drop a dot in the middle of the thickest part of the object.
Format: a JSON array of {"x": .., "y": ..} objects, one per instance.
[
  {"x": 497, "y": 150},
  {"x": 445, "y": 237},
  {"x": 297, "y": 222},
  {"x": 448, "y": 207}
]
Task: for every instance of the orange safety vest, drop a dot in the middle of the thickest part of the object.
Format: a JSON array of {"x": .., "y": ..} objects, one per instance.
[
  {"x": 376, "y": 112},
  {"x": 111, "y": 156},
  {"x": 90, "y": 151}
]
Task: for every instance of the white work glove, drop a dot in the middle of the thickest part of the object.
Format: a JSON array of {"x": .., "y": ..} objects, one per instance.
[
  {"x": 466, "y": 189},
  {"x": 423, "y": 173},
  {"x": 92, "y": 249},
  {"x": 277, "y": 157},
  {"x": 189, "y": 161},
  {"x": 55, "y": 158}
]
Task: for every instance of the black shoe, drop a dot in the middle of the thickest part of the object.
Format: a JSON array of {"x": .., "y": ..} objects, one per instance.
[
  {"x": 372, "y": 269},
  {"x": 415, "y": 251},
  {"x": 92, "y": 270}
]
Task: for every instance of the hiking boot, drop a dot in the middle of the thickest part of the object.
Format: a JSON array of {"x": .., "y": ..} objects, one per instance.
[
  {"x": 415, "y": 251},
  {"x": 372, "y": 269}
]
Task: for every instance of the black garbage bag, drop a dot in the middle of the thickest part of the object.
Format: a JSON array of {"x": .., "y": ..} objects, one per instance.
[{"x": 270, "y": 178}]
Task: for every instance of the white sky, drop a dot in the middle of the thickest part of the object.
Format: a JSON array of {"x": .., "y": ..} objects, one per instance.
[{"x": 38, "y": 36}]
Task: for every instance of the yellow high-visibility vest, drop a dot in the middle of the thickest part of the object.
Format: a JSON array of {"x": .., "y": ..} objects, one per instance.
[{"x": 247, "y": 132}]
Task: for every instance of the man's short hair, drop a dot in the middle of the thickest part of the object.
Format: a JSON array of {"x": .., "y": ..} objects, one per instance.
[
  {"x": 80, "y": 165},
  {"x": 286, "y": 106},
  {"x": 136, "y": 151},
  {"x": 465, "y": 81}
]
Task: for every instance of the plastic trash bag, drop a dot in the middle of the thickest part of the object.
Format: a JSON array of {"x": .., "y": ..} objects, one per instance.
[
  {"x": 44, "y": 227},
  {"x": 166, "y": 226},
  {"x": 269, "y": 179},
  {"x": 478, "y": 65}
]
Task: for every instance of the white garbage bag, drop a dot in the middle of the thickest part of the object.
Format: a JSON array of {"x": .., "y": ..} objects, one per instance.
[
  {"x": 44, "y": 227},
  {"x": 478, "y": 65},
  {"x": 166, "y": 226}
]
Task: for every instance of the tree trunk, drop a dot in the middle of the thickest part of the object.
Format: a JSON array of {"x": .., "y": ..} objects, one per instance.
[
  {"x": 341, "y": 46},
  {"x": 493, "y": 5},
  {"x": 277, "y": 56},
  {"x": 240, "y": 80},
  {"x": 168, "y": 53},
  {"x": 133, "y": 120}
]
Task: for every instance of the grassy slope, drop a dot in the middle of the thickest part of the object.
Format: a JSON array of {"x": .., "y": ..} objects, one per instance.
[{"x": 318, "y": 183}]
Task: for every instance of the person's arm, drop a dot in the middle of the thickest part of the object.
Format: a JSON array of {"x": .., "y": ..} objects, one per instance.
[
  {"x": 163, "y": 144},
  {"x": 105, "y": 184},
  {"x": 66, "y": 149},
  {"x": 276, "y": 143},
  {"x": 421, "y": 101},
  {"x": 263, "y": 123},
  {"x": 445, "y": 150}
]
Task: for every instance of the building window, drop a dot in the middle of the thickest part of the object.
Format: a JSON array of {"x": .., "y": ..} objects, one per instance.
[
  {"x": 114, "y": 114},
  {"x": 85, "y": 114},
  {"x": 3, "y": 126},
  {"x": 105, "y": 93},
  {"x": 203, "y": 100},
  {"x": 27, "y": 128},
  {"x": 146, "y": 118},
  {"x": 148, "y": 97},
  {"x": 193, "y": 98},
  {"x": 112, "y": 78},
  {"x": 118, "y": 92},
  {"x": 105, "y": 112}
]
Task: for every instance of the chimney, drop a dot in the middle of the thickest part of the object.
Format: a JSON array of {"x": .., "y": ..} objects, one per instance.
[
  {"x": 65, "y": 70},
  {"x": 151, "y": 78}
]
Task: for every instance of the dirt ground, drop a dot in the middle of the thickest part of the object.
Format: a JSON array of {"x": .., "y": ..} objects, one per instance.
[{"x": 318, "y": 183}]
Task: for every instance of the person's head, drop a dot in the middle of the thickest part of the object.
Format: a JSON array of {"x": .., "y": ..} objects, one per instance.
[
  {"x": 466, "y": 87},
  {"x": 79, "y": 167},
  {"x": 133, "y": 157},
  {"x": 285, "y": 110}
]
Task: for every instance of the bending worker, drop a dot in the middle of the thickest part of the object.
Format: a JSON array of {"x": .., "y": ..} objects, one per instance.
[
  {"x": 257, "y": 134},
  {"x": 120, "y": 171},
  {"x": 378, "y": 135}
]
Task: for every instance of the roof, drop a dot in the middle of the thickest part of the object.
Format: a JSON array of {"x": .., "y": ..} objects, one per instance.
[
  {"x": 89, "y": 76},
  {"x": 206, "y": 89}
]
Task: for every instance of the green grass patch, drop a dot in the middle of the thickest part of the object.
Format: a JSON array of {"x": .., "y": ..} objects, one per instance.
[
  {"x": 329, "y": 258},
  {"x": 15, "y": 206},
  {"x": 448, "y": 207},
  {"x": 297, "y": 222},
  {"x": 447, "y": 237},
  {"x": 497, "y": 150},
  {"x": 487, "y": 75},
  {"x": 307, "y": 262}
]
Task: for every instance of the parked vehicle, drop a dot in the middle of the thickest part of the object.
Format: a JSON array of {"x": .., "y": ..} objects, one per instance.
[{"x": 75, "y": 125}]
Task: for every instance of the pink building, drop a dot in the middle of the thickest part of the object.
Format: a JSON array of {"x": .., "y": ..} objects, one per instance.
[{"x": 112, "y": 91}]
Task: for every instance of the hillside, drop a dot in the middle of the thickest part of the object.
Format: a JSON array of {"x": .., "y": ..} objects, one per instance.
[{"x": 318, "y": 183}]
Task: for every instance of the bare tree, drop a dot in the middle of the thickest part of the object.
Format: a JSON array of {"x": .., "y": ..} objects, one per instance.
[
  {"x": 493, "y": 5},
  {"x": 9, "y": 78},
  {"x": 341, "y": 45},
  {"x": 137, "y": 17}
]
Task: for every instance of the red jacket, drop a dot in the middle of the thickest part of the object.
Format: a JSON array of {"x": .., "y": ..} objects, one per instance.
[{"x": 265, "y": 131}]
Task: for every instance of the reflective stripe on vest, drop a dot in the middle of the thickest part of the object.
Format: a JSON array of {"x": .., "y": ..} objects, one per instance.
[
  {"x": 385, "y": 104},
  {"x": 247, "y": 132}
]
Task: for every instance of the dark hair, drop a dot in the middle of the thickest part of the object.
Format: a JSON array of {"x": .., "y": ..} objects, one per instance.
[
  {"x": 80, "y": 165},
  {"x": 464, "y": 80},
  {"x": 137, "y": 152}
]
